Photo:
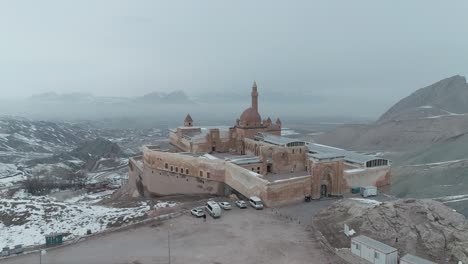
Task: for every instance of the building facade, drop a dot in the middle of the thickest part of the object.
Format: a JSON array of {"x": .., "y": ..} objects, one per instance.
[{"x": 251, "y": 158}]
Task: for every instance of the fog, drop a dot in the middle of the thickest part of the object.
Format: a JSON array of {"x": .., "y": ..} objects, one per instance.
[{"x": 332, "y": 59}]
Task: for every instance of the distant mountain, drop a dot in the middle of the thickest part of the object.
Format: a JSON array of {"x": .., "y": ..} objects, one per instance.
[
  {"x": 446, "y": 97},
  {"x": 432, "y": 114},
  {"x": 267, "y": 96},
  {"x": 175, "y": 97},
  {"x": 70, "y": 97}
]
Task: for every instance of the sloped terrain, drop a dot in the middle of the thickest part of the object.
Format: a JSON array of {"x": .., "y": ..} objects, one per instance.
[
  {"x": 26, "y": 220},
  {"x": 22, "y": 135},
  {"x": 447, "y": 96},
  {"x": 396, "y": 135},
  {"x": 429, "y": 115},
  {"x": 425, "y": 228}
]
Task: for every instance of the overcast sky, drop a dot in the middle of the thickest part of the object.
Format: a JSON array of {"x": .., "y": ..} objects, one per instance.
[{"x": 343, "y": 50}]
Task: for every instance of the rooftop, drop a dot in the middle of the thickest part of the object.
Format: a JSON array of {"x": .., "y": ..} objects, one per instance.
[
  {"x": 377, "y": 245},
  {"x": 416, "y": 260},
  {"x": 350, "y": 156},
  {"x": 284, "y": 176},
  {"x": 238, "y": 159},
  {"x": 278, "y": 140},
  {"x": 224, "y": 131}
]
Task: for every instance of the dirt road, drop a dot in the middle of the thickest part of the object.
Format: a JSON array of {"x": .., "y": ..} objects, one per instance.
[{"x": 239, "y": 236}]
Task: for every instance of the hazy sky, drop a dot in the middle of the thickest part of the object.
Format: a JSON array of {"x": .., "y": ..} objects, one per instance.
[{"x": 343, "y": 50}]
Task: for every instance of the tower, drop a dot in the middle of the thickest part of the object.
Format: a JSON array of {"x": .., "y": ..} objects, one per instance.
[
  {"x": 254, "y": 97},
  {"x": 188, "y": 122}
]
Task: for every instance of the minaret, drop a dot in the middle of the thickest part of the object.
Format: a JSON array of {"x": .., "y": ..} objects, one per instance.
[{"x": 254, "y": 97}]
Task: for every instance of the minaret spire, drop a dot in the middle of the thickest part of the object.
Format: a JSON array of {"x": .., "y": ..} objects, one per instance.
[{"x": 254, "y": 96}]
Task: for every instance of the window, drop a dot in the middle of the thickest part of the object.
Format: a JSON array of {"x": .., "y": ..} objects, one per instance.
[
  {"x": 172, "y": 168},
  {"x": 176, "y": 169},
  {"x": 258, "y": 168},
  {"x": 376, "y": 255},
  {"x": 201, "y": 173},
  {"x": 166, "y": 166},
  {"x": 293, "y": 151},
  {"x": 356, "y": 245},
  {"x": 208, "y": 175},
  {"x": 253, "y": 169},
  {"x": 186, "y": 171}
]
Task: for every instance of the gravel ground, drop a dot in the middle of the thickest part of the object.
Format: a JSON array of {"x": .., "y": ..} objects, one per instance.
[{"x": 239, "y": 236}]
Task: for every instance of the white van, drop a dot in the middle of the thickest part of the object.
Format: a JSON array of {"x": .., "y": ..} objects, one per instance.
[
  {"x": 213, "y": 209},
  {"x": 256, "y": 203}
]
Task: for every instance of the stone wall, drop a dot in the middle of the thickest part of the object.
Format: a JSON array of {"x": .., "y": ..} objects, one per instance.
[
  {"x": 248, "y": 183},
  {"x": 375, "y": 176},
  {"x": 283, "y": 159},
  {"x": 328, "y": 173},
  {"x": 166, "y": 173},
  {"x": 171, "y": 173},
  {"x": 288, "y": 191}
]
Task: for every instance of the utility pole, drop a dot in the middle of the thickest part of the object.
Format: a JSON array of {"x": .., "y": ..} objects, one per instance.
[
  {"x": 169, "y": 245},
  {"x": 169, "y": 242}
]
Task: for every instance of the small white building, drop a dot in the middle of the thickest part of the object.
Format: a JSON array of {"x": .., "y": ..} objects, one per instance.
[
  {"x": 410, "y": 259},
  {"x": 374, "y": 251}
]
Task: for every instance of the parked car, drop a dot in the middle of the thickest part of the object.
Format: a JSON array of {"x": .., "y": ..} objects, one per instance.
[
  {"x": 225, "y": 205},
  {"x": 256, "y": 202},
  {"x": 5, "y": 252},
  {"x": 18, "y": 249},
  {"x": 241, "y": 204},
  {"x": 198, "y": 211},
  {"x": 213, "y": 209}
]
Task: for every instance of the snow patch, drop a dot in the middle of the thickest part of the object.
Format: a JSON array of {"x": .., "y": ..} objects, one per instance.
[
  {"x": 366, "y": 201},
  {"x": 33, "y": 218}
]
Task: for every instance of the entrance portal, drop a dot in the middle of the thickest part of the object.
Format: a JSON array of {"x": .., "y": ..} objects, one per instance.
[
  {"x": 323, "y": 190},
  {"x": 268, "y": 168}
]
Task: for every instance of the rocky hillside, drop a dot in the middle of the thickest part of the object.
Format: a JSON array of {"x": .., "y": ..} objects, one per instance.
[
  {"x": 432, "y": 114},
  {"x": 23, "y": 135},
  {"x": 446, "y": 97},
  {"x": 425, "y": 228}
]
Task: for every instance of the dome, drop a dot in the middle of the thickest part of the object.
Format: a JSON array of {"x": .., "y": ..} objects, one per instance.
[{"x": 250, "y": 117}]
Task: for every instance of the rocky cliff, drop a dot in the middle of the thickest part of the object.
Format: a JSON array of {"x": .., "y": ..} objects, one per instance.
[{"x": 425, "y": 227}]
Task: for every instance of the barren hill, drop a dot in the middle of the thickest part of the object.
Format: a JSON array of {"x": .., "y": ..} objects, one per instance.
[
  {"x": 423, "y": 227},
  {"x": 429, "y": 115},
  {"x": 445, "y": 97}
]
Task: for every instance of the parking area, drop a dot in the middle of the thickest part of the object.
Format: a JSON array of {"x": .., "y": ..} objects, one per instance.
[{"x": 239, "y": 236}]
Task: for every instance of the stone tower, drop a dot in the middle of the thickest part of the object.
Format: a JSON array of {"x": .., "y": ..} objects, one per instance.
[
  {"x": 188, "y": 122},
  {"x": 254, "y": 97}
]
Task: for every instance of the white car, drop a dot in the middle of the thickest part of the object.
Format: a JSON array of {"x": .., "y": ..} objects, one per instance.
[
  {"x": 241, "y": 204},
  {"x": 225, "y": 205},
  {"x": 198, "y": 211}
]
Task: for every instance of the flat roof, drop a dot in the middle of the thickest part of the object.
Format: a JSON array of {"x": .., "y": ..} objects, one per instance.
[
  {"x": 276, "y": 140},
  {"x": 325, "y": 155},
  {"x": 272, "y": 177},
  {"x": 416, "y": 260},
  {"x": 350, "y": 156},
  {"x": 377, "y": 245}
]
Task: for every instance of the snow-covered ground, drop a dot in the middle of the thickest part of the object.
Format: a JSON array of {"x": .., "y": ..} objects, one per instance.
[
  {"x": 452, "y": 198},
  {"x": 366, "y": 201},
  {"x": 27, "y": 219},
  {"x": 7, "y": 170}
]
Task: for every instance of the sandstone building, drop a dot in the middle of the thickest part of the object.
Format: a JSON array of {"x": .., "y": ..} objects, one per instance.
[{"x": 251, "y": 158}]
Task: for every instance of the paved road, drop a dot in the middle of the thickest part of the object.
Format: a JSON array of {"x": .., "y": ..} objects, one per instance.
[{"x": 239, "y": 236}]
